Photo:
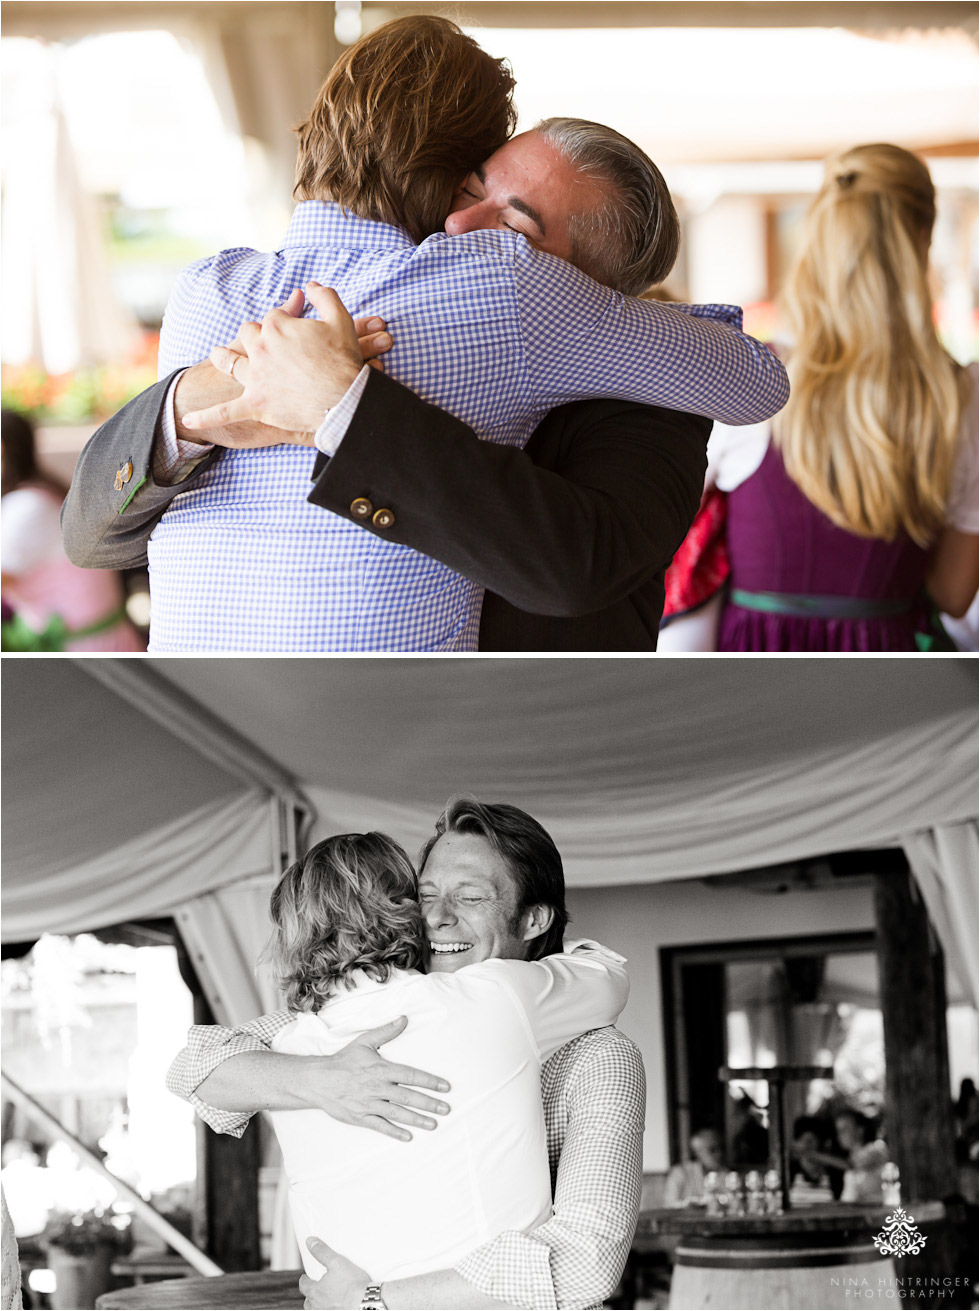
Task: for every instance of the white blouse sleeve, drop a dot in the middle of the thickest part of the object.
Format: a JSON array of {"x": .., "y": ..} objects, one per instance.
[
  {"x": 961, "y": 511},
  {"x": 734, "y": 454}
]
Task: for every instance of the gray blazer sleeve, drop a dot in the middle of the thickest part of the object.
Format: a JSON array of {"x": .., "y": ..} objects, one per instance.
[{"x": 113, "y": 503}]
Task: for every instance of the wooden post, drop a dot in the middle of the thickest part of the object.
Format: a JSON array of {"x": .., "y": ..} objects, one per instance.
[
  {"x": 226, "y": 1211},
  {"x": 918, "y": 1105},
  {"x": 231, "y": 1187}
]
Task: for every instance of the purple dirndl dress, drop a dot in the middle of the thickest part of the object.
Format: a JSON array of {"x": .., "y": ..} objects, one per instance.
[{"x": 800, "y": 583}]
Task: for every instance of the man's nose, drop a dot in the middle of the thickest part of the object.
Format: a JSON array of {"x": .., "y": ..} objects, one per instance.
[
  {"x": 439, "y": 911},
  {"x": 470, "y": 219}
]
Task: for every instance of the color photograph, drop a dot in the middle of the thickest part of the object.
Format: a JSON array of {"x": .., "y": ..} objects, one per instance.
[{"x": 292, "y": 951}]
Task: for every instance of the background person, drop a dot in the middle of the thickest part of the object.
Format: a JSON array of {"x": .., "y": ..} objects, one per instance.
[
  {"x": 53, "y": 605},
  {"x": 861, "y": 496},
  {"x": 864, "y": 1155},
  {"x": 685, "y": 1181},
  {"x": 593, "y": 1089}
]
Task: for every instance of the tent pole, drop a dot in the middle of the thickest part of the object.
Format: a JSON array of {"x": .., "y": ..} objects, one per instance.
[{"x": 191, "y": 1254}]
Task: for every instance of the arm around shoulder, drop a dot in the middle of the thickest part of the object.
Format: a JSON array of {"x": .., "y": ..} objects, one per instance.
[
  {"x": 567, "y": 994},
  {"x": 595, "y": 506}
]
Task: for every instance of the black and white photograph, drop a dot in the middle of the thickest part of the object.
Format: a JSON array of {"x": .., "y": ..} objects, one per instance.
[
  {"x": 525, "y": 982},
  {"x": 489, "y": 570}
]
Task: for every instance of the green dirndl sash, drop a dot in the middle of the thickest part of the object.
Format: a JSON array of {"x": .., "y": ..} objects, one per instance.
[
  {"x": 933, "y": 638},
  {"x": 818, "y": 607},
  {"x": 16, "y": 636}
]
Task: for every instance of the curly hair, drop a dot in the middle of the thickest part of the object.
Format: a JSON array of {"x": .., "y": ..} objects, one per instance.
[
  {"x": 401, "y": 119},
  {"x": 349, "y": 904}
]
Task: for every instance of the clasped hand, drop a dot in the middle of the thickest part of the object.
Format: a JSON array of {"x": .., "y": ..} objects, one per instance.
[{"x": 292, "y": 370}]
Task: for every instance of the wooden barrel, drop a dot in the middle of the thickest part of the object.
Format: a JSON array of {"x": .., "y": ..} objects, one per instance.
[{"x": 809, "y": 1271}]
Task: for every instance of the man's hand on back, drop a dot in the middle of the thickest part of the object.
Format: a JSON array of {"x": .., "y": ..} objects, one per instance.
[
  {"x": 341, "y": 1284},
  {"x": 293, "y": 370},
  {"x": 205, "y": 386},
  {"x": 359, "y": 1087}
]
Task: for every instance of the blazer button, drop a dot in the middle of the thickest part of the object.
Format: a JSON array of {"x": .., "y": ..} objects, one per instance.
[
  {"x": 383, "y": 519},
  {"x": 361, "y": 508}
]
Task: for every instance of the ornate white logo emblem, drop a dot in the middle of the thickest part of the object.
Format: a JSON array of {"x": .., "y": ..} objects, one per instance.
[{"x": 899, "y": 1237}]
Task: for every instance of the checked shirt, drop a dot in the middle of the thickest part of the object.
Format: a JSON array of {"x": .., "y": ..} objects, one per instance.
[
  {"x": 485, "y": 326},
  {"x": 594, "y": 1095}
]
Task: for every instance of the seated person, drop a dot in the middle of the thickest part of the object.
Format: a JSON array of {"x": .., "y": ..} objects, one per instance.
[
  {"x": 685, "y": 1182},
  {"x": 864, "y": 1156},
  {"x": 811, "y": 1168}
]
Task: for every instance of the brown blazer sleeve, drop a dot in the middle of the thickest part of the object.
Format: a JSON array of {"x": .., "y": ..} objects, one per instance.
[{"x": 596, "y": 504}]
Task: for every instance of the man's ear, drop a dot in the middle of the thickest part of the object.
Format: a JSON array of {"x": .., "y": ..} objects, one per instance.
[{"x": 537, "y": 920}]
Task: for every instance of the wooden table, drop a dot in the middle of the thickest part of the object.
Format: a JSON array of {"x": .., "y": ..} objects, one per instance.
[
  {"x": 142, "y": 1266},
  {"x": 259, "y": 1290}
]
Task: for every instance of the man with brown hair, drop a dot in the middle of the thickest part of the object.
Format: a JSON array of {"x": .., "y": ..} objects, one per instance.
[
  {"x": 487, "y": 326},
  {"x": 384, "y": 141}
]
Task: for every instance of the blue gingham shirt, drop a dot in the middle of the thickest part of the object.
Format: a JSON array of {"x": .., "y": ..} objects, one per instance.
[{"x": 485, "y": 326}]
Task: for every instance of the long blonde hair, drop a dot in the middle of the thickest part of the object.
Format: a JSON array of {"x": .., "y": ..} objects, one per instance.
[{"x": 869, "y": 432}]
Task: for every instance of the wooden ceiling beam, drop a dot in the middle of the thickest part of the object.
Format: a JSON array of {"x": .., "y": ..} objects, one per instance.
[
  {"x": 858, "y": 15},
  {"x": 23, "y": 17}
]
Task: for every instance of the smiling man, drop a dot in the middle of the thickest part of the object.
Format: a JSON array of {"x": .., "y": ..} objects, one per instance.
[{"x": 491, "y": 885}]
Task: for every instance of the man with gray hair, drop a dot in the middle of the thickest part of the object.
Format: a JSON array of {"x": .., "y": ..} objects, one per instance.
[
  {"x": 630, "y": 240},
  {"x": 573, "y": 534}
]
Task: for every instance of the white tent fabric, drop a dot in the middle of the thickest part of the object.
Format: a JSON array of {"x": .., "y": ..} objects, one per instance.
[
  {"x": 225, "y": 933},
  {"x": 643, "y": 770},
  {"x": 944, "y": 862},
  {"x": 148, "y": 876}
]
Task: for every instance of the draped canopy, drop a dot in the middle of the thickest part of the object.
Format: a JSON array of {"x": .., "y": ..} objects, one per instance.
[{"x": 134, "y": 787}]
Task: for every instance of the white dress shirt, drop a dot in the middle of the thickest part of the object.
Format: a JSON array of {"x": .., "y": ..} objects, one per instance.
[{"x": 399, "y": 1209}]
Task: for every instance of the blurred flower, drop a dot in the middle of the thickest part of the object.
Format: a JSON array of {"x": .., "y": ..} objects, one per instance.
[
  {"x": 81, "y": 1231},
  {"x": 84, "y": 395}
]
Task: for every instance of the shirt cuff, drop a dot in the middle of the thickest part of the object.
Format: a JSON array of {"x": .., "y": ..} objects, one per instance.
[
  {"x": 173, "y": 459},
  {"x": 514, "y": 1268},
  {"x": 331, "y": 431},
  {"x": 230, "y": 1122}
]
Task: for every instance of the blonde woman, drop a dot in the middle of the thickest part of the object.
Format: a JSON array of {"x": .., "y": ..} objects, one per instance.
[
  {"x": 858, "y": 505},
  {"x": 349, "y": 943}
]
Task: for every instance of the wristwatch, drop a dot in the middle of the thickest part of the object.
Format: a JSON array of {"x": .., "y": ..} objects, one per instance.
[{"x": 371, "y": 1299}]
